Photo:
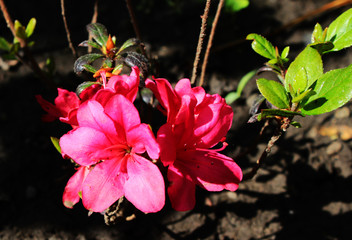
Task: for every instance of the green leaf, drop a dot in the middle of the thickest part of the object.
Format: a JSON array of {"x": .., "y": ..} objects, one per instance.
[
  {"x": 30, "y": 27},
  {"x": 5, "y": 45},
  {"x": 236, "y": 5},
  {"x": 317, "y": 35},
  {"x": 340, "y": 31},
  {"x": 270, "y": 113},
  {"x": 129, "y": 43},
  {"x": 233, "y": 96},
  {"x": 56, "y": 144},
  {"x": 304, "y": 70},
  {"x": 89, "y": 68},
  {"x": 303, "y": 95},
  {"x": 285, "y": 52},
  {"x": 274, "y": 92},
  {"x": 333, "y": 90},
  {"x": 20, "y": 31},
  {"x": 322, "y": 47},
  {"x": 81, "y": 87},
  {"x": 262, "y": 46},
  {"x": 78, "y": 66},
  {"x": 98, "y": 32}
]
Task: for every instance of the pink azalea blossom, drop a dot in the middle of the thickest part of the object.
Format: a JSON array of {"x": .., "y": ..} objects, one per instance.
[
  {"x": 67, "y": 103},
  {"x": 196, "y": 122},
  {"x": 109, "y": 142}
]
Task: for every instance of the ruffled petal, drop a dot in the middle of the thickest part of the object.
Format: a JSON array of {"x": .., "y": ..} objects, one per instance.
[
  {"x": 103, "y": 186},
  {"x": 86, "y": 146},
  {"x": 73, "y": 187},
  {"x": 142, "y": 139},
  {"x": 212, "y": 124},
  {"x": 211, "y": 170},
  {"x": 145, "y": 187},
  {"x": 181, "y": 190}
]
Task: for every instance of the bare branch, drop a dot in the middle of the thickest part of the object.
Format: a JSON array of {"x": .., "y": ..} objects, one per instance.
[
  {"x": 200, "y": 40},
  {"x": 66, "y": 28},
  {"x": 210, "y": 42}
]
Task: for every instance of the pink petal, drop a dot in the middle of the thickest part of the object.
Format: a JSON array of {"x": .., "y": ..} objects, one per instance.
[
  {"x": 73, "y": 187},
  {"x": 145, "y": 187},
  {"x": 66, "y": 101},
  {"x": 167, "y": 144},
  {"x": 123, "y": 112},
  {"x": 51, "y": 109},
  {"x": 85, "y": 145},
  {"x": 142, "y": 139},
  {"x": 212, "y": 170},
  {"x": 212, "y": 124},
  {"x": 181, "y": 190},
  {"x": 91, "y": 114},
  {"x": 103, "y": 185}
]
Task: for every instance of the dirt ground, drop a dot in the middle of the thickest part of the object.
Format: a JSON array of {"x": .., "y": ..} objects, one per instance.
[{"x": 302, "y": 191}]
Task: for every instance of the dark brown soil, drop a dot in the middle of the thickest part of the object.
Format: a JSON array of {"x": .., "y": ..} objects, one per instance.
[{"x": 302, "y": 191}]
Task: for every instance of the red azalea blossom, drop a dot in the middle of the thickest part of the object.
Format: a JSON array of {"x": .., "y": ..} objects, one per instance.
[
  {"x": 109, "y": 142},
  {"x": 196, "y": 122}
]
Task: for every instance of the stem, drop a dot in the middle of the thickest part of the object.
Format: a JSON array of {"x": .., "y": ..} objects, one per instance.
[
  {"x": 210, "y": 41},
  {"x": 94, "y": 20},
  {"x": 66, "y": 29},
  {"x": 135, "y": 24},
  {"x": 200, "y": 40}
]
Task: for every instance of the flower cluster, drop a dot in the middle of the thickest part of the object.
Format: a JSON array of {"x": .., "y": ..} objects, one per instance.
[{"x": 116, "y": 154}]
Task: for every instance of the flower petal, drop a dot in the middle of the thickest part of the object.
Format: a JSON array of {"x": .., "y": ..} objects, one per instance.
[
  {"x": 145, "y": 187},
  {"x": 86, "y": 146},
  {"x": 73, "y": 187},
  {"x": 167, "y": 144},
  {"x": 91, "y": 114},
  {"x": 181, "y": 190},
  {"x": 122, "y": 111},
  {"x": 103, "y": 185},
  {"x": 142, "y": 139},
  {"x": 212, "y": 124},
  {"x": 213, "y": 171}
]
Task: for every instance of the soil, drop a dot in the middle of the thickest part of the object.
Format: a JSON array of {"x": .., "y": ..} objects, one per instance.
[{"x": 302, "y": 190}]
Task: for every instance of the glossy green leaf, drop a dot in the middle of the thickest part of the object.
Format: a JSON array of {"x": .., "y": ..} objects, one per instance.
[
  {"x": 30, "y": 27},
  {"x": 89, "y": 68},
  {"x": 262, "y": 46},
  {"x": 233, "y": 96},
  {"x": 274, "y": 92},
  {"x": 304, "y": 70},
  {"x": 98, "y": 32},
  {"x": 129, "y": 43},
  {"x": 85, "y": 60},
  {"x": 88, "y": 43},
  {"x": 81, "y": 87},
  {"x": 340, "y": 31},
  {"x": 322, "y": 47},
  {"x": 303, "y": 95},
  {"x": 333, "y": 90},
  {"x": 5, "y": 45}
]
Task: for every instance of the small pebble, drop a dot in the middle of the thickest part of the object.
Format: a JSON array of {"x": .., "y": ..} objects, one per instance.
[
  {"x": 342, "y": 113},
  {"x": 334, "y": 148}
]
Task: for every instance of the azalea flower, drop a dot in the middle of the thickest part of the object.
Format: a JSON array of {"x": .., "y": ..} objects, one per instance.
[
  {"x": 67, "y": 103},
  {"x": 110, "y": 142},
  {"x": 196, "y": 122}
]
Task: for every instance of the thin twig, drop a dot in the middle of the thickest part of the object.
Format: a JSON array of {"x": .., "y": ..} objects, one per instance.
[
  {"x": 200, "y": 40},
  {"x": 67, "y": 30},
  {"x": 94, "y": 20},
  {"x": 135, "y": 24},
  {"x": 210, "y": 42}
]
